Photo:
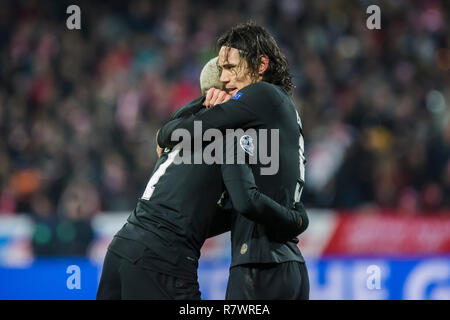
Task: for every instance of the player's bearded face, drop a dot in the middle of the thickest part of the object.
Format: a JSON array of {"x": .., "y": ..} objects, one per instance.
[{"x": 234, "y": 71}]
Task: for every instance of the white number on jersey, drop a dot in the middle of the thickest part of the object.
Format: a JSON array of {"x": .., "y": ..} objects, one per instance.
[
  {"x": 160, "y": 172},
  {"x": 302, "y": 161}
]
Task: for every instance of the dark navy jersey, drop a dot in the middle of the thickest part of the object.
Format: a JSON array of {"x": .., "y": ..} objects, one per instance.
[
  {"x": 261, "y": 106},
  {"x": 174, "y": 215}
]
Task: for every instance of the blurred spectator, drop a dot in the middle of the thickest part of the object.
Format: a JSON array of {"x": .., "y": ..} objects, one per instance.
[
  {"x": 79, "y": 203},
  {"x": 84, "y": 105},
  {"x": 69, "y": 232}
]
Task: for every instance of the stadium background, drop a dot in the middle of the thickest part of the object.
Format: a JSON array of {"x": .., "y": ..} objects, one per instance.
[{"x": 79, "y": 110}]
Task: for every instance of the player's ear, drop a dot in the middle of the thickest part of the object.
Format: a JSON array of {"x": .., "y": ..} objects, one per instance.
[{"x": 264, "y": 64}]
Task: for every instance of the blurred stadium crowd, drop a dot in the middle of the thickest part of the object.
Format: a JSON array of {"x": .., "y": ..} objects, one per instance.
[{"x": 79, "y": 109}]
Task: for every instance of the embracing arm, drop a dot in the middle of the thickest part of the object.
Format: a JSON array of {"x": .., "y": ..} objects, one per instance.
[
  {"x": 243, "y": 110},
  {"x": 282, "y": 223},
  {"x": 223, "y": 116}
]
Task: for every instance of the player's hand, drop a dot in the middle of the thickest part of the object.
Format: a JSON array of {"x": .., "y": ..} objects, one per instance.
[
  {"x": 159, "y": 150},
  {"x": 304, "y": 220},
  {"x": 215, "y": 96}
]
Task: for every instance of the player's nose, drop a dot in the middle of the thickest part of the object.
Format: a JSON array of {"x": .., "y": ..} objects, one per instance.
[{"x": 224, "y": 76}]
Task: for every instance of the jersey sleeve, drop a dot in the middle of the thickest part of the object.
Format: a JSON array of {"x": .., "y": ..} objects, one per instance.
[
  {"x": 281, "y": 223},
  {"x": 248, "y": 108}
]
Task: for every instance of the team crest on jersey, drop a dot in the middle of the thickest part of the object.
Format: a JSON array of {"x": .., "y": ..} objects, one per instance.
[
  {"x": 246, "y": 143},
  {"x": 237, "y": 96},
  {"x": 244, "y": 248}
]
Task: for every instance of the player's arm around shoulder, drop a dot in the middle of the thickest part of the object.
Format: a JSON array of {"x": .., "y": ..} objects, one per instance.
[{"x": 283, "y": 223}]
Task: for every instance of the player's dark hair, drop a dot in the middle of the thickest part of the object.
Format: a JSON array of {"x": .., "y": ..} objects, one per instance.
[{"x": 252, "y": 41}]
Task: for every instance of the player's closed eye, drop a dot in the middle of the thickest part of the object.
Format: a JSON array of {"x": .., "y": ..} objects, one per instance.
[{"x": 229, "y": 66}]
